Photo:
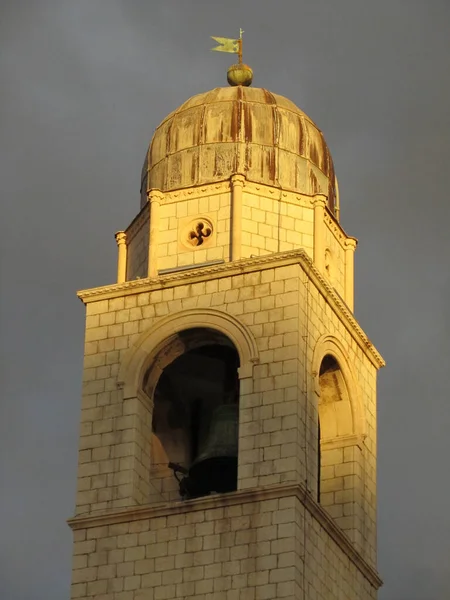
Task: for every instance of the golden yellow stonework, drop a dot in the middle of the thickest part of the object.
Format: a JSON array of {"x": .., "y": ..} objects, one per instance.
[{"x": 235, "y": 285}]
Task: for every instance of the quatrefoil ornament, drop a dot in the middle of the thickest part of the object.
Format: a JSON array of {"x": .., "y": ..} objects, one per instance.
[{"x": 199, "y": 233}]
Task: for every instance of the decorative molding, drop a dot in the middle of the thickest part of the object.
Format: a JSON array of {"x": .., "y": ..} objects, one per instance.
[
  {"x": 143, "y": 351},
  {"x": 197, "y": 232},
  {"x": 197, "y": 192},
  {"x": 319, "y": 200},
  {"x": 266, "y": 191},
  {"x": 259, "y": 189},
  {"x": 121, "y": 238},
  {"x": 200, "y": 232},
  {"x": 298, "y": 491},
  {"x": 238, "y": 180},
  {"x": 336, "y": 229},
  {"x": 351, "y": 243},
  {"x": 246, "y": 265},
  {"x": 156, "y": 195}
]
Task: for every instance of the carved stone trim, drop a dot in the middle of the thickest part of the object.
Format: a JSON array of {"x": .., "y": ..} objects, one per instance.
[
  {"x": 197, "y": 192},
  {"x": 266, "y": 191},
  {"x": 197, "y": 232},
  {"x": 112, "y": 517},
  {"x": 142, "y": 352},
  {"x": 247, "y": 265},
  {"x": 336, "y": 230},
  {"x": 258, "y": 189}
]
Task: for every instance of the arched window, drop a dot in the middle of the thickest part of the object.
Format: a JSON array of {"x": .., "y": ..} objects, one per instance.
[
  {"x": 340, "y": 458},
  {"x": 195, "y": 416},
  {"x": 335, "y": 409}
]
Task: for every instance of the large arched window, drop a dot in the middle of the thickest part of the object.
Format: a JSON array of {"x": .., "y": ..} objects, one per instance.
[
  {"x": 195, "y": 396},
  {"x": 145, "y": 476}
]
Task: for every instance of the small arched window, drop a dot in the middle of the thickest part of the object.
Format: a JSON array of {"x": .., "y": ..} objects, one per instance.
[
  {"x": 339, "y": 457},
  {"x": 335, "y": 409}
]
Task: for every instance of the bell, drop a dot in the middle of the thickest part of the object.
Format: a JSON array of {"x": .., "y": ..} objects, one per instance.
[{"x": 215, "y": 468}]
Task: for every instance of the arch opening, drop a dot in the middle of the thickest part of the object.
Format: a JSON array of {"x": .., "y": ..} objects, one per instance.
[
  {"x": 339, "y": 457},
  {"x": 335, "y": 422},
  {"x": 335, "y": 407},
  {"x": 194, "y": 385}
]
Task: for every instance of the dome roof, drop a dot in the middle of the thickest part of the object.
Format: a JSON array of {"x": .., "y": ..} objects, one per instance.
[{"x": 243, "y": 130}]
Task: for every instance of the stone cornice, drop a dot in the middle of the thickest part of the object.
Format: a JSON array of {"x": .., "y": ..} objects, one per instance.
[
  {"x": 136, "y": 513},
  {"x": 197, "y": 191},
  {"x": 246, "y": 265},
  {"x": 267, "y": 191},
  {"x": 336, "y": 229},
  {"x": 219, "y": 187}
]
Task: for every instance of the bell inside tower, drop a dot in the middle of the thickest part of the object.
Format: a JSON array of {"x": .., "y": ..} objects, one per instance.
[{"x": 196, "y": 416}]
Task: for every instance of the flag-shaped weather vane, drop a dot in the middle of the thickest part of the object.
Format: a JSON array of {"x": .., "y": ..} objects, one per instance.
[
  {"x": 238, "y": 74},
  {"x": 229, "y": 45}
]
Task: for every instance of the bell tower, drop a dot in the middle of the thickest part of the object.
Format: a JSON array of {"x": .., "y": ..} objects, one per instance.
[{"x": 228, "y": 421}]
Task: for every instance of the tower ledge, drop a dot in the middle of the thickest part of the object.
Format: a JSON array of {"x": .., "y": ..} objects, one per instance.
[
  {"x": 244, "y": 266},
  {"x": 240, "y": 497}
]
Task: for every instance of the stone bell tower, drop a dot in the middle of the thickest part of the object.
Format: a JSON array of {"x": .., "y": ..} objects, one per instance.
[{"x": 228, "y": 423}]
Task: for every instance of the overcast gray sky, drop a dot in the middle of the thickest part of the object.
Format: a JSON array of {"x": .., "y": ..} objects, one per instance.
[{"x": 83, "y": 85}]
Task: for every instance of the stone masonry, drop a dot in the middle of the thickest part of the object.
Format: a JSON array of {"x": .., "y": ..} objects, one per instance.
[
  {"x": 237, "y": 247},
  {"x": 133, "y": 538}
]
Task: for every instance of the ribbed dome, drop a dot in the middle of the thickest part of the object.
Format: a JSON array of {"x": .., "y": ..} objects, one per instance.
[{"x": 243, "y": 130}]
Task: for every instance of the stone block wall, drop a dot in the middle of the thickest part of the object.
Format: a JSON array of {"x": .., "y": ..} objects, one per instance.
[
  {"x": 275, "y": 224},
  {"x": 137, "y": 246},
  {"x": 272, "y": 221},
  {"x": 287, "y": 313},
  {"x": 268, "y": 224},
  {"x": 249, "y": 545},
  {"x": 335, "y": 255},
  {"x": 178, "y": 218}
]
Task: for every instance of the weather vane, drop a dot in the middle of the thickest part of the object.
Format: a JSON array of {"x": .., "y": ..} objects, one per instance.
[
  {"x": 229, "y": 45},
  {"x": 239, "y": 74}
]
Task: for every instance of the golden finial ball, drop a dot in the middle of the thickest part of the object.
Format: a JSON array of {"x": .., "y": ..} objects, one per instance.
[{"x": 240, "y": 75}]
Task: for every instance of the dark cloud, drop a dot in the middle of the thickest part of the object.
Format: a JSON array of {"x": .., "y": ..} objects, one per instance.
[{"x": 84, "y": 84}]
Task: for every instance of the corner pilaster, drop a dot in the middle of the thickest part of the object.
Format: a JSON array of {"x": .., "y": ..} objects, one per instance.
[
  {"x": 350, "y": 246},
  {"x": 155, "y": 197},
  {"x": 237, "y": 185},
  {"x": 319, "y": 202},
  {"x": 121, "y": 240}
]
